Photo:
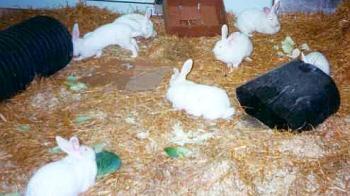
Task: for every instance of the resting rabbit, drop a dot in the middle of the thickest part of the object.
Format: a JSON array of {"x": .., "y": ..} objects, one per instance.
[
  {"x": 317, "y": 59},
  {"x": 69, "y": 176},
  {"x": 210, "y": 102},
  {"x": 263, "y": 21}
]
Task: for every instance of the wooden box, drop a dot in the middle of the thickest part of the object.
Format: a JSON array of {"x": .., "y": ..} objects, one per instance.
[{"x": 194, "y": 18}]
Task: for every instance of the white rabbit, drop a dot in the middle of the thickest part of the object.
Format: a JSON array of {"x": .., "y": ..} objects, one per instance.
[
  {"x": 263, "y": 21},
  {"x": 109, "y": 34},
  {"x": 197, "y": 99},
  {"x": 233, "y": 49},
  {"x": 140, "y": 24},
  {"x": 317, "y": 59},
  {"x": 69, "y": 176}
]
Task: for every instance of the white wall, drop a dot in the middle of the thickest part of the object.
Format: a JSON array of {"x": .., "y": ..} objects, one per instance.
[
  {"x": 231, "y": 5},
  {"x": 123, "y": 7},
  {"x": 36, "y": 4},
  {"x": 237, "y": 6}
]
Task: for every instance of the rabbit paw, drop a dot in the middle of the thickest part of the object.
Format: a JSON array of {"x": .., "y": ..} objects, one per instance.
[
  {"x": 248, "y": 59},
  {"x": 98, "y": 54}
]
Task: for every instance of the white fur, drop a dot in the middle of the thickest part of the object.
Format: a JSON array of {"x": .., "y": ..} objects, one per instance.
[
  {"x": 140, "y": 24},
  {"x": 197, "y": 99},
  {"x": 233, "y": 49},
  {"x": 93, "y": 42},
  {"x": 263, "y": 21},
  {"x": 69, "y": 176},
  {"x": 317, "y": 59}
]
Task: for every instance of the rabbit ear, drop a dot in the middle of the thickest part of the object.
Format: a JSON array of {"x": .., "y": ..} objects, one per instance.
[
  {"x": 66, "y": 146},
  {"x": 148, "y": 13},
  {"x": 175, "y": 74},
  {"x": 186, "y": 68},
  {"x": 224, "y": 31},
  {"x": 75, "y": 32},
  {"x": 74, "y": 141},
  {"x": 232, "y": 36},
  {"x": 176, "y": 71},
  {"x": 276, "y": 6},
  {"x": 266, "y": 10}
]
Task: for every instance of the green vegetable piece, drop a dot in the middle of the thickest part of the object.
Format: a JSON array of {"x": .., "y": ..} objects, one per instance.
[
  {"x": 81, "y": 119},
  {"x": 288, "y": 45},
  {"x": 176, "y": 152},
  {"x": 72, "y": 78},
  {"x": 55, "y": 150},
  {"x": 99, "y": 147},
  {"x": 23, "y": 128},
  {"x": 107, "y": 162},
  {"x": 10, "y": 194},
  {"x": 79, "y": 86}
]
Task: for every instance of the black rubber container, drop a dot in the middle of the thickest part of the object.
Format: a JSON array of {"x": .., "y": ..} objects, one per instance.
[
  {"x": 295, "y": 96},
  {"x": 38, "y": 46}
]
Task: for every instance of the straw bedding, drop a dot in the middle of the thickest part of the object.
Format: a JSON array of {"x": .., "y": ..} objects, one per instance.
[{"x": 241, "y": 156}]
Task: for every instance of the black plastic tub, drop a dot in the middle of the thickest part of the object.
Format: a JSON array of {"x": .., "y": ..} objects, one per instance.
[
  {"x": 296, "y": 96},
  {"x": 39, "y": 46}
]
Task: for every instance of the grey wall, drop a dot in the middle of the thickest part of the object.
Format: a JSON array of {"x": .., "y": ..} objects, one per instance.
[{"x": 327, "y": 6}]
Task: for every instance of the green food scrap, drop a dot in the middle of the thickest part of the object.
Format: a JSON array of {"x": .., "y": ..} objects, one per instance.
[
  {"x": 82, "y": 118},
  {"x": 79, "y": 86},
  {"x": 72, "y": 78},
  {"x": 74, "y": 85},
  {"x": 176, "y": 152},
  {"x": 99, "y": 147},
  {"x": 55, "y": 150},
  {"x": 10, "y": 194},
  {"x": 288, "y": 45},
  {"x": 23, "y": 128},
  {"x": 107, "y": 162}
]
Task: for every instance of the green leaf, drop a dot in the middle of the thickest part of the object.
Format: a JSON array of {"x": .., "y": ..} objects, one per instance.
[
  {"x": 55, "y": 150},
  {"x": 79, "y": 86},
  {"x": 23, "y": 128},
  {"x": 107, "y": 162},
  {"x": 72, "y": 78},
  {"x": 288, "y": 45},
  {"x": 176, "y": 152},
  {"x": 99, "y": 147},
  {"x": 74, "y": 85},
  {"x": 82, "y": 118},
  {"x": 10, "y": 194}
]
